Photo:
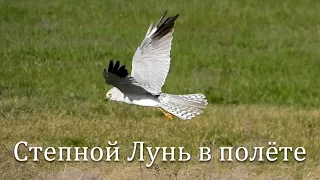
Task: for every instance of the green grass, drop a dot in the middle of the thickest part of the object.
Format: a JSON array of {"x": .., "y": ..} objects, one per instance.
[{"x": 256, "y": 61}]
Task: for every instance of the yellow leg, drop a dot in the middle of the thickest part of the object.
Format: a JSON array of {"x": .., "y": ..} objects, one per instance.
[{"x": 168, "y": 115}]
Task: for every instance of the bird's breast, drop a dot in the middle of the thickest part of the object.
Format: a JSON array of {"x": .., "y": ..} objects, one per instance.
[{"x": 147, "y": 100}]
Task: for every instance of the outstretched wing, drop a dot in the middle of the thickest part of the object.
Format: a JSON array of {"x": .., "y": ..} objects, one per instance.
[
  {"x": 117, "y": 76},
  {"x": 151, "y": 61}
]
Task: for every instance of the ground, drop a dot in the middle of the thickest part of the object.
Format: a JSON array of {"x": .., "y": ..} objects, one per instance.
[{"x": 256, "y": 61}]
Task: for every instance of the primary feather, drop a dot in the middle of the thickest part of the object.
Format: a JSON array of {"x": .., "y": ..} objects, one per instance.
[{"x": 150, "y": 67}]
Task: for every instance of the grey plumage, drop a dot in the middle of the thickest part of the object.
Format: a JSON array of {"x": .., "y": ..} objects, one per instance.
[
  {"x": 150, "y": 67},
  {"x": 183, "y": 106}
]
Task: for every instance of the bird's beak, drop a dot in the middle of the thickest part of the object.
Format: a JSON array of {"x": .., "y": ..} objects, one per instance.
[{"x": 107, "y": 99}]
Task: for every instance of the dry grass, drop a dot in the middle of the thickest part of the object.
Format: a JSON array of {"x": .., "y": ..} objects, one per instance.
[
  {"x": 241, "y": 125},
  {"x": 261, "y": 53}
]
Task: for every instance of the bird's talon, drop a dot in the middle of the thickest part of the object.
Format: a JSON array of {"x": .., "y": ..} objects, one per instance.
[{"x": 168, "y": 115}]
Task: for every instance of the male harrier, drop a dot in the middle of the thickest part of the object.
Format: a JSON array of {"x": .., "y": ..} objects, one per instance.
[{"x": 150, "y": 66}]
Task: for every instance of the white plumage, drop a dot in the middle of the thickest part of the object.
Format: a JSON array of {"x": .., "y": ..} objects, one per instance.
[{"x": 150, "y": 67}]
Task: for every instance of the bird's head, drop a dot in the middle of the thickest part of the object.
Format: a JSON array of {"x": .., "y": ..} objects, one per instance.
[{"x": 114, "y": 94}]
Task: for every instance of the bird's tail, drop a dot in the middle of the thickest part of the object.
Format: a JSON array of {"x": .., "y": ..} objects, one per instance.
[{"x": 183, "y": 106}]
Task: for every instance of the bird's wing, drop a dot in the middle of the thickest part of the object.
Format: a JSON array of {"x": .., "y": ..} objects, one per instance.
[
  {"x": 151, "y": 61},
  {"x": 117, "y": 76}
]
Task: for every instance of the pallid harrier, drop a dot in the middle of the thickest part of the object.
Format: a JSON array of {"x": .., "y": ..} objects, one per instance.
[{"x": 150, "y": 66}]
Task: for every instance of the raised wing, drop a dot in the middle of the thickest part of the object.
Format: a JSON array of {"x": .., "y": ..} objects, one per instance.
[
  {"x": 117, "y": 76},
  {"x": 151, "y": 61}
]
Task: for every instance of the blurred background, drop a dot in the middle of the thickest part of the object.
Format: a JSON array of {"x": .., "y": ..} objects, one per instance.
[
  {"x": 233, "y": 51},
  {"x": 256, "y": 61}
]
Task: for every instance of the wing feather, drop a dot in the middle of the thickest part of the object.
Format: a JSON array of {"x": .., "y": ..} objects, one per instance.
[
  {"x": 151, "y": 61},
  {"x": 118, "y": 76}
]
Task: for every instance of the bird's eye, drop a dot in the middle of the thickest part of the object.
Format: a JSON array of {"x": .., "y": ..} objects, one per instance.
[{"x": 110, "y": 95}]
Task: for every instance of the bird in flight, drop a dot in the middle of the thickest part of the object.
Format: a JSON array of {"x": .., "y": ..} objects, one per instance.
[{"x": 150, "y": 67}]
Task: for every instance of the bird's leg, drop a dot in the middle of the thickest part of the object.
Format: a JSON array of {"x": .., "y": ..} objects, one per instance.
[{"x": 168, "y": 115}]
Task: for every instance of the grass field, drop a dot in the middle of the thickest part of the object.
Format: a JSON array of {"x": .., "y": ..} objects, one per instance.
[{"x": 258, "y": 63}]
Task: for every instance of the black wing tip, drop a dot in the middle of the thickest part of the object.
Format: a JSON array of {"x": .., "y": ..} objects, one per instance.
[
  {"x": 166, "y": 12},
  {"x": 117, "y": 69},
  {"x": 165, "y": 27}
]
